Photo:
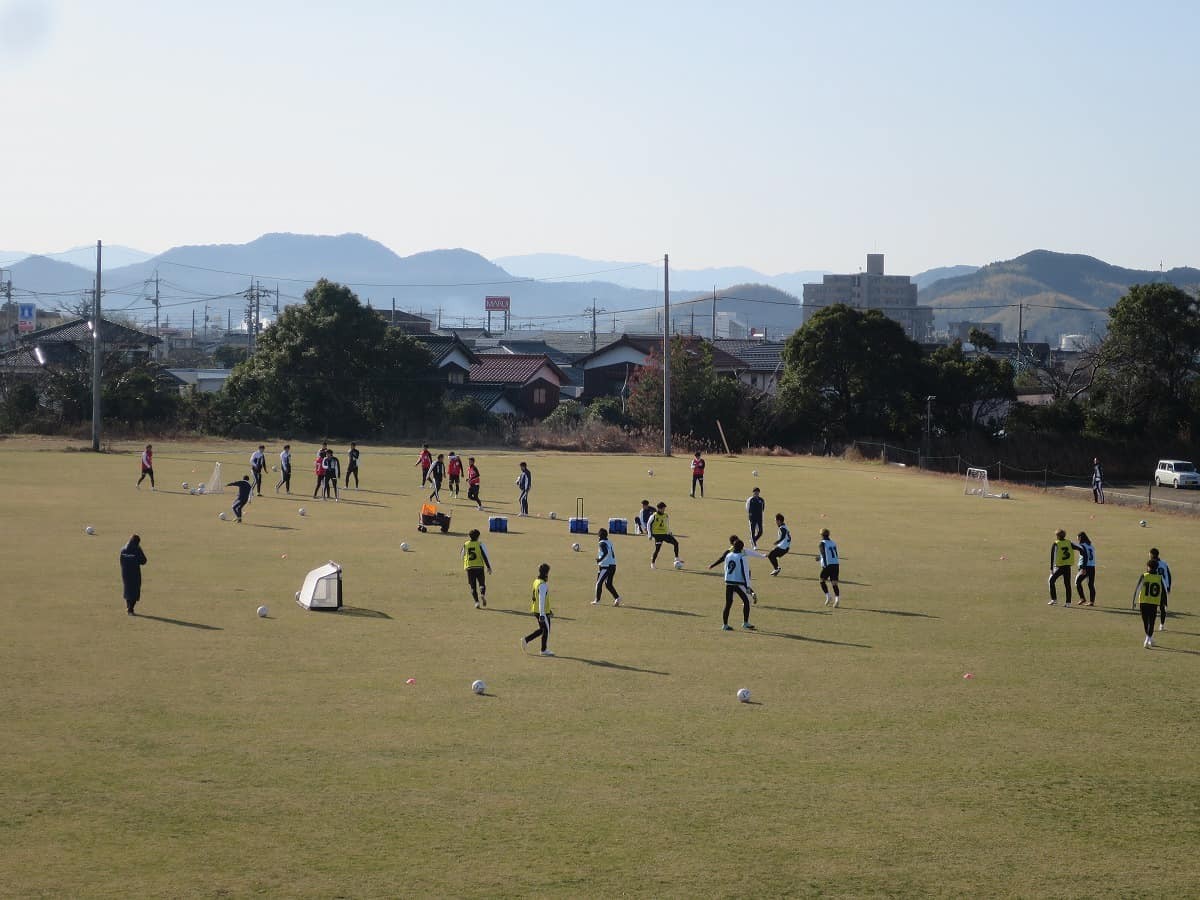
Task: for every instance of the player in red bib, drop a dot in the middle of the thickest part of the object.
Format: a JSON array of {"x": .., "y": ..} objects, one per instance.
[
  {"x": 147, "y": 467},
  {"x": 454, "y": 470},
  {"x": 698, "y": 473},
  {"x": 424, "y": 460}
]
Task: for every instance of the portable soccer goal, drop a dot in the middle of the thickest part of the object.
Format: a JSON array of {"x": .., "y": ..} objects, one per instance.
[
  {"x": 215, "y": 484},
  {"x": 322, "y": 588},
  {"x": 977, "y": 483}
]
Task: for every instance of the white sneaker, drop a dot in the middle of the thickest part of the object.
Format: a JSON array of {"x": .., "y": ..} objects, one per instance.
[
  {"x": 1149, "y": 642},
  {"x": 775, "y": 571},
  {"x": 652, "y": 565},
  {"x": 1162, "y": 626},
  {"x": 828, "y": 599},
  {"x": 836, "y": 601},
  {"x": 547, "y": 653},
  {"x": 477, "y": 604},
  {"x": 596, "y": 602},
  {"x": 617, "y": 601},
  {"x": 1146, "y": 642},
  {"x": 1052, "y": 603},
  {"x": 524, "y": 644}
]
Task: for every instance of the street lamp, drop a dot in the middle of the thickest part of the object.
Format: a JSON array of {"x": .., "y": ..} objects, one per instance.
[{"x": 928, "y": 420}]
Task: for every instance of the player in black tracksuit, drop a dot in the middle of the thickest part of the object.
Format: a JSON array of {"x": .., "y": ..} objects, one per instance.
[
  {"x": 132, "y": 560},
  {"x": 755, "y": 506},
  {"x": 243, "y": 488}
]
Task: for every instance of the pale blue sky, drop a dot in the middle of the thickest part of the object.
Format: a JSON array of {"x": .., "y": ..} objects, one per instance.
[{"x": 777, "y": 135}]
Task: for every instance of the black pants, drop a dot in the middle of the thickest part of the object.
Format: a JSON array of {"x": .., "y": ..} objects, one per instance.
[
  {"x": 473, "y": 494},
  {"x": 1149, "y": 612},
  {"x": 523, "y": 502},
  {"x": 424, "y": 475},
  {"x": 436, "y": 493},
  {"x": 285, "y": 480},
  {"x": 477, "y": 584},
  {"x": 659, "y": 540},
  {"x": 756, "y": 530},
  {"x": 1097, "y": 492},
  {"x": 774, "y": 556},
  {"x": 147, "y": 473},
  {"x": 353, "y": 470},
  {"x": 697, "y": 480},
  {"x": 604, "y": 579},
  {"x": 331, "y": 485},
  {"x": 543, "y": 631},
  {"x": 731, "y": 591},
  {"x": 453, "y": 485},
  {"x": 238, "y": 505},
  {"x": 257, "y": 473},
  {"x": 1063, "y": 572},
  {"x": 1162, "y": 607},
  {"x": 1088, "y": 574},
  {"x": 320, "y": 484}
]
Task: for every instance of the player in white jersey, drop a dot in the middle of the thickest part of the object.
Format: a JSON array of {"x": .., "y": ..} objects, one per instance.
[
  {"x": 827, "y": 556},
  {"x": 285, "y": 469},
  {"x": 1165, "y": 571},
  {"x": 258, "y": 462},
  {"x": 1087, "y": 568},
  {"x": 737, "y": 584},
  {"x": 783, "y": 543},
  {"x": 606, "y": 568}
]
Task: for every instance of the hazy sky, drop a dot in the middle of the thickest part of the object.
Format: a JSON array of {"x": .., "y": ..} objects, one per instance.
[{"x": 779, "y": 135}]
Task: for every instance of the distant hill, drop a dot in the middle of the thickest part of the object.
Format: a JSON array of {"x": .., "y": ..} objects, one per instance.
[
  {"x": 928, "y": 277},
  {"x": 647, "y": 276},
  {"x": 1064, "y": 293},
  {"x": 85, "y": 257},
  {"x": 49, "y": 283}
]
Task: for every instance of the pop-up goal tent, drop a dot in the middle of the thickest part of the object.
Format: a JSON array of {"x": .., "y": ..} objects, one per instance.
[{"x": 322, "y": 588}]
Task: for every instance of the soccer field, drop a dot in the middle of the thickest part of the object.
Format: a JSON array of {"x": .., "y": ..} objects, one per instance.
[{"x": 199, "y": 750}]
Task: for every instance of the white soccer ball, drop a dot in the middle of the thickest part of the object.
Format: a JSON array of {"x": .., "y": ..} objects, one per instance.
[
  {"x": 404, "y": 547},
  {"x": 303, "y": 511},
  {"x": 200, "y": 489},
  {"x": 679, "y": 563},
  {"x": 575, "y": 547},
  {"x": 554, "y": 515},
  {"x": 478, "y": 686},
  {"x": 221, "y": 516},
  {"x": 755, "y": 473},
  {"x": 184, "y": 486},
  {"x": 90, "y": 530},
  {"x": 743, "y": 695},
  {"x": 1142, "y": 523},
  {"x": 263, "y": 612},
  {"x": 650, "y": 472},
  {"x": 274, "y": 468}
]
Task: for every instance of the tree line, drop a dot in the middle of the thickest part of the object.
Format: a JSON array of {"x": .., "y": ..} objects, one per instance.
[{"x": 332, "y": 366}]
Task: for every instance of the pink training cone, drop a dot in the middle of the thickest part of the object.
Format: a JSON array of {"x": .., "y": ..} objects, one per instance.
[
  {"x": 411, "y": 681},
  {"x": 968, "y": 675}
]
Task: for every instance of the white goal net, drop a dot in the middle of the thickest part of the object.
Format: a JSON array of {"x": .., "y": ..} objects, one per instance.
[
  {"x": 977, "y": 483},
  {"x": 216, "y": 485}
]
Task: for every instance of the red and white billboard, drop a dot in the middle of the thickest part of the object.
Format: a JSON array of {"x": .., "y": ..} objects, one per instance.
[{"x": 497, "y": 304}]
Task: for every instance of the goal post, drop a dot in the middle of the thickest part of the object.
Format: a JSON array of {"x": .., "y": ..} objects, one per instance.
[{"x": 977, "y": 483}]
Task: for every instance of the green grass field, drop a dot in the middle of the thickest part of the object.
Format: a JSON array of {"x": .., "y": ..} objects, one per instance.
[{"x": 198, "y": 750}]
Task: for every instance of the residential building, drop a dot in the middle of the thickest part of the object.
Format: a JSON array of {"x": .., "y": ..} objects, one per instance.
[{"x": 893, "y": 295}]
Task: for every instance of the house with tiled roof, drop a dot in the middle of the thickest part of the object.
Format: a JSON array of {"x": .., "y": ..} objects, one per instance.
[
  {"x": 69, "y": 343},
  {"x": 451, "y": 356},
  {"x": 531, "y": 381},
  {"x": 607, "y": 372},
  {"x": 762, "y": 362}
]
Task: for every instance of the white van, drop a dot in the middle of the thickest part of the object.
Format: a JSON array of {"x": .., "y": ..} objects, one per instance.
[{"x": 1177, "y": 473}]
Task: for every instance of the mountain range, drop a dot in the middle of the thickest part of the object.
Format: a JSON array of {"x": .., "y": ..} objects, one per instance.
[{"x": 1058, "y": 293}]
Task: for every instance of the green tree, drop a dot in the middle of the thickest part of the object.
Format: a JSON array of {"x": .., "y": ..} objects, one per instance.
[
  {"x": 140, "y": 394},
  {"x": 981, "y": 339},
  {"x": 332, "y": 366},
  {"x": 227, "y": 356},
  {"x": 853, "y": 373},
  {"x": 1147, "y": 384},
  {"x": 969, "y": 392}
]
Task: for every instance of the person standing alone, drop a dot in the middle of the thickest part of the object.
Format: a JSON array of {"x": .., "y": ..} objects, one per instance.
[
  {"x": 475, "y": 559},
  {"x": 132, "y": 560},
  {"x": 352, "y": 468},
  {"x": 524, "y": 483},
  {"x": 473, "y": 482},
  {"x": 1097, "y": 481},
  {"x": 147, "y": 467},
  {"x": 831, "y": 568},
  {"x": 540, "y": 606},
  {"x": 783, "y": 543},
  {"x": 698, "y": 474},
  {"x": 258, "y": 462},
  {"x": 755, "y": 507}
]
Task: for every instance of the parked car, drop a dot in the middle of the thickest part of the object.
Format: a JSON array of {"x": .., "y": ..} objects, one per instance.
[{"x": 1177, "y": 473}]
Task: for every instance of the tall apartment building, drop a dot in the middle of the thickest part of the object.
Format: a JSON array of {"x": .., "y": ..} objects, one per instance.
[{"x": 893, "y": 295}]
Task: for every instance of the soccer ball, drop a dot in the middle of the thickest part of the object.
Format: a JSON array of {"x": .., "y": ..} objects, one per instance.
[
  {"x": 274, "y": 468},
  {"x": 1142, "y": 523},
  {"x": 679, "y": 563},
  {"x": 478, "y": 686},
  {"x": 263, "y": 612},
  {"x": 404, "y": 547},
  {"x": 303, "y": 511},
  {"x": 743, "y": 695},
  {"x": 1004, "y": 495},
  {"x": 650, "y": 472},
  {"x": 184, "y": 485},
  {"x": 575, "y": 547},
  {"x": 200, "y": 489},
  {"x": 221, "y": 516},
  {"x": 554, "y": 515},
  {"x": 90, "y": 530},
  {"x": 755, "y": 473}
]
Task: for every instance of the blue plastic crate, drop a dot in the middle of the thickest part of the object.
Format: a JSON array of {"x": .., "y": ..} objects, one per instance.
[
  {"x": 498, "y": 524},
  {"x": 618, "y": 526},
  {"x": 578, "y": 526}
]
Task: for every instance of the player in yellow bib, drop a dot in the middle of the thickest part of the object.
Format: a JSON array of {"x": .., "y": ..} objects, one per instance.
[
  {"x": 1151, "y": 591},
  {"x": 539, "y": 605},
  {"x": 660, "y": 533},
  {"x": 1061, "y": 556},
  {"x": 475, "y": 560}
]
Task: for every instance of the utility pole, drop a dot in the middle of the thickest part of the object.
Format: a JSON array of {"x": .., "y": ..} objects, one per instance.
[
  {"x": 1020, "y": 332},
  {"x": 205, "y": 326},
  {"x": 714, "y": 315},
  {"x": 6, "y": 276},
  {"x": 593, "y": 310},
  {"x": 253, "y": 295},
  {"x": 666, "y": 356},
  {"x": 97, "y": 345},
  {"x": 157, "y": 330}
]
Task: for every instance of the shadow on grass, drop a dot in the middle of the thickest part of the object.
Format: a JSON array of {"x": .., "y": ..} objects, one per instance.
[
  {"x": 362, "y": 612},
  {"x": 199, "y": 625},
  {"x": 812, "y": 640},
  {"x": 1177, "y": 650},
  {"x": 795, "y": 609},
  {"x": 893, "y": 612},
  {"x": 272, "y": 527},
  {"x": 528, "y": 615},
  {"x": 665, "y": 612},
  {"x": 1118, "y": 612},
  {"x": 606, "y": 664}
]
